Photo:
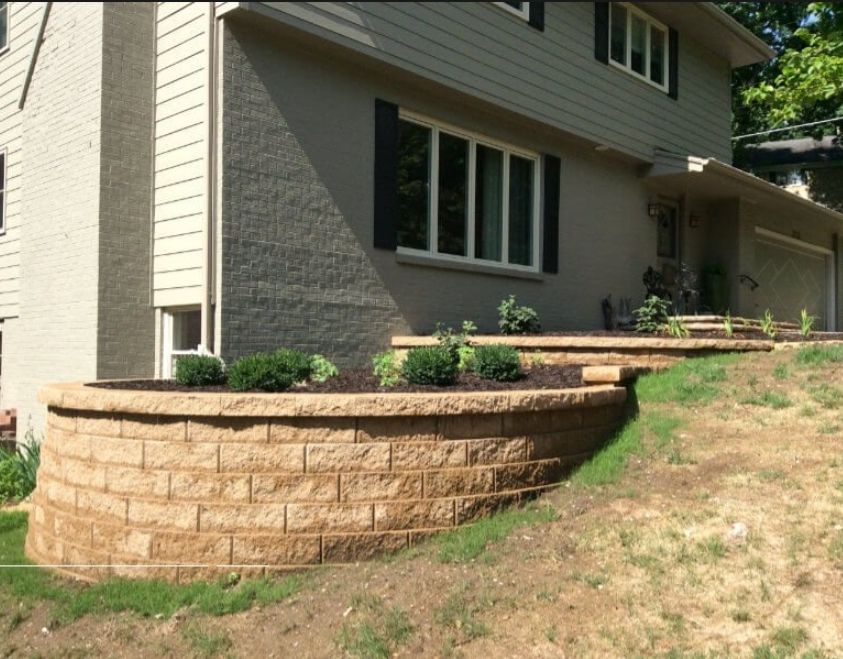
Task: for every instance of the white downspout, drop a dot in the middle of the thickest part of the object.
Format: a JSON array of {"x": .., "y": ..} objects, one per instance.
[{"x": 208, "y": 242}]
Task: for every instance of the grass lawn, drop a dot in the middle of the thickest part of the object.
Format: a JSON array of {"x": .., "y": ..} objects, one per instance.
[{"x": 710, "y": 526}]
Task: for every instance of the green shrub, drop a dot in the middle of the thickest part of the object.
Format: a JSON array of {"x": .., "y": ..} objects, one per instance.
[
  {"x": 652, "y": 315},
  {"x": 433, "y": 365},
  {"x": 18, "y": 469},
  {"x": 455, "y": 342},
  {"x": 676, "y": 328},
  {"x": 386, "y": 368},
  {"x": 497, "y": 362},
  {"x": 321, "y": 369},
  {"x": 465, "y": 359},
  {"x": 199, "y": 371},
  {"x": 10, "y": 484},
  {"x": 806, "y": 323},
  {"x": 276, "y": 371},
  {"x": 517, "y": 320},
  {"x": 728, "y": 325}
]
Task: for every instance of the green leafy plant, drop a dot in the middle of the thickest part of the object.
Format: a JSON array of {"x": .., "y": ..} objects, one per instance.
[
  {"x": 497, "y": 362},
  {"x": 276, "y": 371},
  {"x": 430, "y": 365},
  {"x": 457, "y": 343},
  {"x": 465, "y": 359},
  {"x": 321, "y": 369},
  {"x": 199, "y": 370},
  {"x": 676, "y": 328},
  {"x": 768, "y": 324},
  {"x": 18, "y": 469},
  {"x": 728, "y": 325},
  {"x": 515, "y": 319},
  {"x": 386, "y": 367},
  {"x": 652, "y": 315},
  {"x": 806, "y": 323}
]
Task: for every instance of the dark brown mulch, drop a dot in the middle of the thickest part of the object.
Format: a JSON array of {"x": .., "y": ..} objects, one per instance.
[{"x": 362, "y": 381}]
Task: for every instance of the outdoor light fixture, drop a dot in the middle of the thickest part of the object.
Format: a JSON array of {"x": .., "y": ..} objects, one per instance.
[{"x": 655, "y": 209}]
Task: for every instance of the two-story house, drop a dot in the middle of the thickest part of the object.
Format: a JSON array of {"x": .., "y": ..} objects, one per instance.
[{"x": 243, "y": 175}]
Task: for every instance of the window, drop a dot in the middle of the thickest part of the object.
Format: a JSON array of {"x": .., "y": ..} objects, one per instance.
[
  {"x": 4, "y": 26},
  {"x": 521, "y": 9},
  {"x": 464, "y": 197},
  {"x": 2, "y": 191},
  {"x": 182, "y": 335},
  {"x": 638, "y": 44}
]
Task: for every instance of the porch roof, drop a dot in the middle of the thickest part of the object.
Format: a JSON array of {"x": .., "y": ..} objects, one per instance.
[{"x": 710, "y": 180}]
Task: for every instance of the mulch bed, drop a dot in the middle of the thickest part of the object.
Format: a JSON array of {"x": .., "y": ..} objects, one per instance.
[{"x": 362, "y": 381}]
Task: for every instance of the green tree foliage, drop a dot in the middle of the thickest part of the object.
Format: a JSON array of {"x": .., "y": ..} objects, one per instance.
[{"x": 804, "y": 82}]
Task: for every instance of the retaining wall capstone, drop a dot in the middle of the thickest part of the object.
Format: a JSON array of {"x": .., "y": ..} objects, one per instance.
[{"x": 186, "y": 486}]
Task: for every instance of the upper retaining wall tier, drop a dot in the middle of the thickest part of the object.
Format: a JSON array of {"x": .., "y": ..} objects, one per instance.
[
  {"x": 182, "y": 486},
  {"x": 634, "y": 350}
]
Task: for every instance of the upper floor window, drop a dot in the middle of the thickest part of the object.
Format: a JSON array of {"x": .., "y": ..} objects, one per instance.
[
  {"x": 521, "y": 9},
  {"x": 638, "y": 44},
  {"x": 465, "y": 197},
  {"x": 4, "y": 26}
]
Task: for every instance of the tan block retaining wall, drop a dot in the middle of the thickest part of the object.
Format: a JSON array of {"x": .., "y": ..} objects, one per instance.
[
  {"x": 634, "y": 350},
  {"x": 192, "y": 485}
]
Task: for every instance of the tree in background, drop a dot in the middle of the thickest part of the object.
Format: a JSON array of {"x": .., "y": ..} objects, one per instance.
[{"x": 804, "y": 83}]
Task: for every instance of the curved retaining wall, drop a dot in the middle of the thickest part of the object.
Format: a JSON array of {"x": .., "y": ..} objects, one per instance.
[{"x": 185, "y": 486}]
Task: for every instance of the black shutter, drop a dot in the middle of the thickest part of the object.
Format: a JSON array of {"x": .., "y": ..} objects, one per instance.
[
  {"x": 601, "y": 31},
  {"x": 550, "y": 232},
  {"x": 673, "y": 64},
  {"x": 536, "y": 19},
  {"x": 386, "y": 173}
]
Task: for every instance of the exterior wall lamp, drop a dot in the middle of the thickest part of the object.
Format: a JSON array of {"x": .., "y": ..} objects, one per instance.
[{"x": 655, "y": 209}]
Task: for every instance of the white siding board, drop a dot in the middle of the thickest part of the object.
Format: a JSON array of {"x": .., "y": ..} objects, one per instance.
[{"x": 180, "y": 151}]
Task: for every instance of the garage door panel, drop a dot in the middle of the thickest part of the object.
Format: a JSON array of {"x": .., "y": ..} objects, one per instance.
[{"x": 790, "y": 279}]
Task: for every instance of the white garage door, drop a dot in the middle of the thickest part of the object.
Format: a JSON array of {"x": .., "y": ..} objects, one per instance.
[{"x": 792, "y": 276}]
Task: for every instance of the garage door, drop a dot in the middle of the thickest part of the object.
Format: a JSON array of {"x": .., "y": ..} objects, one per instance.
[{"x": 791, "y": 278}]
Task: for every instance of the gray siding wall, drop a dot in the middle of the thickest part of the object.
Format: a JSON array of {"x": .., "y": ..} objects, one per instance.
[
  {"x": 298, "y": 267},
  {"x": 550, "y": 76},
  {"x": 126, "y": 333}
]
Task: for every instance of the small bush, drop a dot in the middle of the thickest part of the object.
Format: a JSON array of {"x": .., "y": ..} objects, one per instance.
[
  {"x": 497, "y": 362},
  {"x": 386, "y": 368},
  {"x": 515, "y": 319},
  {"x": 199, "y": 371},
  {"x": 652, "y": 315},
  {"x": 806, "y": 323},
  {"x": 321, "y": 369},
  {"x": 430, "y": 366},
  {"x": 465, "y": 359},
  {"x": 10, "y": 484},
  {"x": 455, "y": 341},
  {"x": 676, "y": 328},
  {"x": 277, "y": 371},
  {"x": 768, "y": 324},
  {"x": 728, "y": 325}
]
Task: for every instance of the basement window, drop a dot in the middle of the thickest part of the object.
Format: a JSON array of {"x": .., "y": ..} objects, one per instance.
[{"x": 181, "y": 335}]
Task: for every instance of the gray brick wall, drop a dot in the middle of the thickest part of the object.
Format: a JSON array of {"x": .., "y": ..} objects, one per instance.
[
  {"x": 126, "y": 331},
  {"x": 298, "y": 266}
]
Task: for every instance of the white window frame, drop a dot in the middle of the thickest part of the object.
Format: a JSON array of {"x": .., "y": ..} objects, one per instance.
[
  {"x": 627, "y": 67},
  {"x": 523, "y": 13},
  {"x": 508, "y": 150},
  {"x": 167, "y": 352},
  {"x": 5, "y": 48},
  {"x": 4, "y": 189}
]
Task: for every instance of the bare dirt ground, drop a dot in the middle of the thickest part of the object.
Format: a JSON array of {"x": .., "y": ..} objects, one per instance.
[{"x": 724, "y": 537}]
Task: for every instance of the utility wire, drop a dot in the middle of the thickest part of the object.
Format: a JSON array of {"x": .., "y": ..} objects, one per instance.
[{"x": 781, "y": 130}]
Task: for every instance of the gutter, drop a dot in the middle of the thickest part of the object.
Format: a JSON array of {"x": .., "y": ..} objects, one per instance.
[
  {"x": 33, "y": 58},
  {"x": 208, "y": 242},
  {"x": 743, "y": 33}
]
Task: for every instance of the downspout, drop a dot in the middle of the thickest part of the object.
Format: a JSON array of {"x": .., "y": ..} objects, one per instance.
[
  {"x": 33, "y": 58},
  {"x": 208, "y": 285}
]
